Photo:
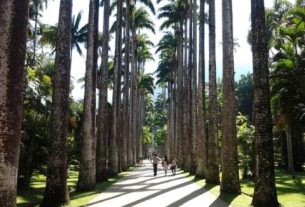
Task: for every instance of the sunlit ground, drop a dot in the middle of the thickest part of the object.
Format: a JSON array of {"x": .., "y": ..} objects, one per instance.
[{"x": 141, "y": 188}]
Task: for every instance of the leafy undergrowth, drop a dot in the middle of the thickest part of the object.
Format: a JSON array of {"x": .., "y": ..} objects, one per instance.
[
  {"x": 290, "y": 190},
  {"x": 33, "y": 195}
]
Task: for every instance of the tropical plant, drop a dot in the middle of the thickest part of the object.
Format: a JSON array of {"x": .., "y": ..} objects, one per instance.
[{"x": 79, "y": 34}]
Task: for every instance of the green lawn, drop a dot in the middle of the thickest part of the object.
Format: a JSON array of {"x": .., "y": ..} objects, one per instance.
[
  {"x": 291, "y": 191},
  {"x": 33, "y": 195}
]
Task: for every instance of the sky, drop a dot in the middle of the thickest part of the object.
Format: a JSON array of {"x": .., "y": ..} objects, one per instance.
[{"x": 241, "y": 26}]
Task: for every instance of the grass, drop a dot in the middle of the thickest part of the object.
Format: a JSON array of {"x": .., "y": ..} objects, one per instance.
[
  {"x": 290, "y": 190},
  {"x": 33, "y": 195}
]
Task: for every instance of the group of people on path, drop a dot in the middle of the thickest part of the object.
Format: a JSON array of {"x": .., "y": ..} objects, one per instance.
[{"x": 154, "y": 159}]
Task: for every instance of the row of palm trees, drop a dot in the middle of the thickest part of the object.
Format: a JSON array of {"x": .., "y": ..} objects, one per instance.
[
  {"x": 119, "y": 128},
  {"x": 122, "y": 125},
  {"x": 197, "y": 151}
]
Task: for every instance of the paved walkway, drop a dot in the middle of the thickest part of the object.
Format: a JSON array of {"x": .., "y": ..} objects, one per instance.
[{"x": 141, "y": 189}]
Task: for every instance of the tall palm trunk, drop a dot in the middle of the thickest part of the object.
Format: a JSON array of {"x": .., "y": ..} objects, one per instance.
[
  {"x": 230, "y": 175},
  {"x": 87, "y": 173},
  {"x": 212, "y": 175},
  {"x": 13, "y": 18},
  {"x": 190, "y": 108},
  {"x": 179, "y": 99},
  {"x": 169, "y": 138},
  {"x": 133, "y": 91},
  {"x": 35, "y": 32},
  {"x": 186, "y": 136},
  {"x": 138, "y": 118},
  {"x": 56, "y": 192},
  {"x": 202, "y": 142},
  {"x": 102, "y": 134},
  {"x": 125, "y": 90},
  {"x": 194, "y": 108},
  {"x": 128, "y": 86},
  {"x": 264, "y": 190},
  {"x": 113, "y": 156},
  {"x": 288, "y": 130}
]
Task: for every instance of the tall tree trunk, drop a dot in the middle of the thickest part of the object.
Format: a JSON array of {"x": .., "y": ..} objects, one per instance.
[
  {"x": 124, "y": 112},
  {"x": 179, "y": 94},
  {"x": 102, "y": 133},
  {"x": 113, "y": 156},
  {"x": 264, "y": 190},
  {"x": 202, "y": 142},
  {"x": 169, "y": 139},
  {"x": 87, "y": 173},
  {"x": 212, "y": 175},
  {"x": 194, "y": 90},
  {"x": 186, "y": 135},
  {"x": 288, "y": 131},
  {"x": 56, "y": 192},
  {"x": 14, "y": 20},
  {"x": 35, "y": 32},
  {"x": 230, "y": 175},
  {"x": 128, "y": 85},
  {"x": 133, "y": 91}
]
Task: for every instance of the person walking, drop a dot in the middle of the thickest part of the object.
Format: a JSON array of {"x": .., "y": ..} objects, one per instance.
[
  {"x": 165, "y": 165},
  {"x": 155, "y": 160},
  {"x": 173, "y": 165}
]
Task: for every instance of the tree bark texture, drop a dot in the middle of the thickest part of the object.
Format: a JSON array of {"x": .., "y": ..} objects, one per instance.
[
  {"x": 102, "y": 134},
  {"x": 202, "y": 142},
  {"x": 13, "y": 33},
  {"x": 179, "y": 95},
  {"x": 128, "y": 85},
  {"x": 264, "y": 190},
  {"x": 230, "y": 175},
  {"x": 56, "y": 192},
  {"x": 113, "y": 156},
  {"x": 87, "y": 173},
  {"x": 212, "y": 175}
]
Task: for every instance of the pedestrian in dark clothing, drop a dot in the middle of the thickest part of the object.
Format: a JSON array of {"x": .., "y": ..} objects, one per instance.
[{"x": 155, "y": 161}]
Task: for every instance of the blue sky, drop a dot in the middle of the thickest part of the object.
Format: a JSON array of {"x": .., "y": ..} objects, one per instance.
[{"x": 241, "y": 20}]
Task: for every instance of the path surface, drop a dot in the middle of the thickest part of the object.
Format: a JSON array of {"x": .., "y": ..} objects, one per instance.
[{"x": 141, "y": 188}]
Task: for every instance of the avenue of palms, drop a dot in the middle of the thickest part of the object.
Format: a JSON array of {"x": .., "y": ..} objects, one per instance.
[{"x": 224, "y": 130}]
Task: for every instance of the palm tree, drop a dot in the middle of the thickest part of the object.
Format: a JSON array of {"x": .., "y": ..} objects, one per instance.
[
  {"x": 139, "y": 21},
  {"x": 202, "y": 142},
  {"x": 212, "y": 175},
  {"x": 115, "y": 136},
  {"x": 143, "y": 55},
  {"x": 264, "y": 191},
  {"x": 14, "y": 18},
  {"x": 35, "y": 6},
  {"x": 174, "y": 14},
  {"x": 229, "y": 159},
  {"x": 87, "y": 173},
  {"x": 56, "y": 192},
  {"x": 167, "y": 48},
  {"x": 79, "y": 34},
  {"x": 128, "y": 83},
  {"x": 102, "y": 124}
]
